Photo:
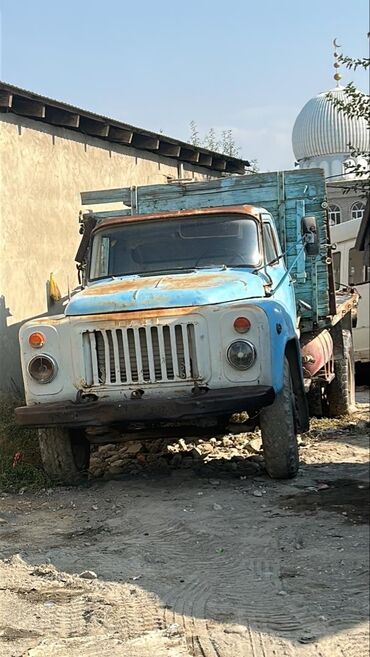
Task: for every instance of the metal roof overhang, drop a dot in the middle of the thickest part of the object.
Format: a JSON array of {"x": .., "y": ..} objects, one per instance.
[{"x": 26, "y": 103}]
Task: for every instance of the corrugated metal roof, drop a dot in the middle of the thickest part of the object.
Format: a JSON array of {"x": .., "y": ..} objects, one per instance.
[
  {"x": 322, "y": 129},
  {"x": 26, "y": 103}
]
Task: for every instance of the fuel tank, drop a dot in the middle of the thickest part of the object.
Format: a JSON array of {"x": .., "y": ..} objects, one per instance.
[{"x": 317, "y": 352}]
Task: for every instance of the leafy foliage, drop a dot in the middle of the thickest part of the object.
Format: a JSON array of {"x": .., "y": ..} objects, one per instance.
[
  {"x": 221, "y": 143},
  {"x": 355, "y": 105},
  {"x": 20, "y": 461}
]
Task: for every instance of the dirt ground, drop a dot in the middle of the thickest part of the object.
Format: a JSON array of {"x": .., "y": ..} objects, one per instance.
[{"x": 202, "y": 557}]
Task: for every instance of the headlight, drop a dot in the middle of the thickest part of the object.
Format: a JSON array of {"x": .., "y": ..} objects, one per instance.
[
  {"x": 241, "y": 354},
  {"x": 42, "y": 369}
]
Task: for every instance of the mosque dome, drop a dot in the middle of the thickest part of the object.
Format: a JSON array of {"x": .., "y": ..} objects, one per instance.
[{"x": 321, "y": 129}]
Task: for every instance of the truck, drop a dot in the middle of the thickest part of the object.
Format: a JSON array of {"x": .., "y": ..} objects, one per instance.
[{"x": 197, "y": 301}]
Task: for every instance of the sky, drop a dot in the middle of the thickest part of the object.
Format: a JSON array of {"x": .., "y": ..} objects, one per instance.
[{"x": 244, "y": 65}]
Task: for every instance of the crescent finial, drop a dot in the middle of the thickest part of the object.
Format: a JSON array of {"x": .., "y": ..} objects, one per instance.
[{"x": 337, "y": 75}]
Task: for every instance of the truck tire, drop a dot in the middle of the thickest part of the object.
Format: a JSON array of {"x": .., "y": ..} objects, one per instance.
[
  {"x": 278, "y": 424},
  {"x": 317, "y": 401},
  {"x": 341, "y": 391},
  {"x": 65, "y": 454}
]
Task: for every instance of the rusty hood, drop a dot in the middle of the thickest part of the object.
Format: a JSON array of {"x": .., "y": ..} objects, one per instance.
[{"x": 195, "y": 288}]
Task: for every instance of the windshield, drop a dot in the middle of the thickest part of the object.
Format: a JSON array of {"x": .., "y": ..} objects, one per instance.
[{"x": 160, "y": 246}]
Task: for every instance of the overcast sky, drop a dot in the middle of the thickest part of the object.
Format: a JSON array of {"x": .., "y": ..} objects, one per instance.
[{"x": 243, "y": 65}]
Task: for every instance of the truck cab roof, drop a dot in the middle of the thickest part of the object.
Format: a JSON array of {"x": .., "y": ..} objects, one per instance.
[{"x": 250, "y": 210}]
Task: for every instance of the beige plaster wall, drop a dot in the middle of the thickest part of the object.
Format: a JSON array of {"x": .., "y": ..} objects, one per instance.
[{"x": 43, "y": 169}]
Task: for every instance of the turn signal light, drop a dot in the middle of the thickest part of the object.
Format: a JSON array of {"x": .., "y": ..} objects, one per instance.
[
  {"x": 36, "y": 340},
  {"x": 242, "y": 325}
]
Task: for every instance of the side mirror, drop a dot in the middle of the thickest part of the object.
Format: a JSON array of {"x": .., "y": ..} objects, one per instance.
[{"x": 310, "y": 236}]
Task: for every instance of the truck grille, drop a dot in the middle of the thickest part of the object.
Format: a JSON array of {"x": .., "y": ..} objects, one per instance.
[{"x": 140, "y": 355}]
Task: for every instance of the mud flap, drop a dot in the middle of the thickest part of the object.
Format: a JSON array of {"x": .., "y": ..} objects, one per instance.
[{"x": 294, "y": 358}]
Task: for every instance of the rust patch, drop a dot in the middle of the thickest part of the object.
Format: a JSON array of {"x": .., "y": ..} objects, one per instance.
[
  {"x": 163, "y": 282},
  {"x": 251, "y": 210},
  {"x": 49, "y": 321},
  {"x": 134, "y": 315},
  {"x": 122, "y": 316}
]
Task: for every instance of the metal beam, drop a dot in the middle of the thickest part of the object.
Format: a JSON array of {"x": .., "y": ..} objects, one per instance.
[
  {"x": 6, "y": 99},
  {"x": 62, "y": 117},
  {"x": 145, "y": 141},
  {"x": 219, "y": 163},
  {"x": 205, "y": 160},
  {"x": 120, "y": 135},
  {"x": 236, "y": 167},
  {"x": 189, "y": 155},
  {"x": 28, "y": 107},
  {"x": 168, "y": 149},
  {"x": 92, "y": 127}
]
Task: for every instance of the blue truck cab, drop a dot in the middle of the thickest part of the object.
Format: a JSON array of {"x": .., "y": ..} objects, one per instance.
[{"x": 197, "y": 301}]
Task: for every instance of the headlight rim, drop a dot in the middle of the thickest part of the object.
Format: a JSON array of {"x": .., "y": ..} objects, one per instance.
[
  {"x": 53, "y": 363},
  {"x": 254, "y": 355}
]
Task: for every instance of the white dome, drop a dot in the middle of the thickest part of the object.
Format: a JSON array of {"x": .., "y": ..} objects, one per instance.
[{"x": 321, "y": 129}]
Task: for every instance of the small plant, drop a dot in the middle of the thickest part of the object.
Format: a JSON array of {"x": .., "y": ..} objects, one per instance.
[
  {"x": 20, "y": 462},
  {"x": 223, "y": 143}
]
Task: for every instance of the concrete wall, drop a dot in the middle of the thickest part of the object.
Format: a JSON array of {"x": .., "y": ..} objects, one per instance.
[{"x": 43, "y": 169}]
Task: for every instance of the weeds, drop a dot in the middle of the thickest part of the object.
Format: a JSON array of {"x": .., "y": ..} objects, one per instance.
[{"x": 20, "y": 462}]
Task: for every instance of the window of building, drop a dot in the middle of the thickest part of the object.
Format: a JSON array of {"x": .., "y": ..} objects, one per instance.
[
  {"x": 336, "y": 269},
  {"x": 334, "y": 214},
  {"x": 357, "y": 210},
  {"x": 358, "y": 272}
]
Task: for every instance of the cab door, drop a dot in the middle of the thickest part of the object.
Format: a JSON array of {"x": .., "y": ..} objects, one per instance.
[{"x": 275, "y": 266}]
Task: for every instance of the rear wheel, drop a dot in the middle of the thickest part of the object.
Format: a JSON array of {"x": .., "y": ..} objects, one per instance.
[
  {"x": 341, "y": 391},
  {"x": 317, "y": 399},
  {"x": 278, "y": 424},
  {"x": 65, "y": 454}
]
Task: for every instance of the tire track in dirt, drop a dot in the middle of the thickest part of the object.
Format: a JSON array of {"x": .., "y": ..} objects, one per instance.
[
  {"x": 74, "y": 616},
  {"x": 204, "y": 598},
  {"x": 250, "y": 584}
]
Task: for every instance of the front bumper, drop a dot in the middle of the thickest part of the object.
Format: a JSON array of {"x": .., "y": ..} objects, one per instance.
[{"x": 160, "y": 409}]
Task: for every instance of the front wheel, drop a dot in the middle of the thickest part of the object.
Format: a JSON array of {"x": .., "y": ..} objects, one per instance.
[
  {"x": 278, "y": 424},
  {"x": 65, "y": 454}
]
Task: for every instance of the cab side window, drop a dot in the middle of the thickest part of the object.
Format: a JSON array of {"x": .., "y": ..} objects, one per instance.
[
  {"x": 271, "y": 252},
  {"x": 337, "y": 257}
]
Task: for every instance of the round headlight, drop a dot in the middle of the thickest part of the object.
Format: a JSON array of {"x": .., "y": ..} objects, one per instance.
[
  {"x": 241, "y": 354},
  {"x": 42, "y": 369}
]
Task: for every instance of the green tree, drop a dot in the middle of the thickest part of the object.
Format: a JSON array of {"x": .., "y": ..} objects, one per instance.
[
  {"x": 211, "y": 141},
  {"x": 194, "y": 134},
  {"x": 223, "y": 143},
  {"x": 355, "y": 105}
]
